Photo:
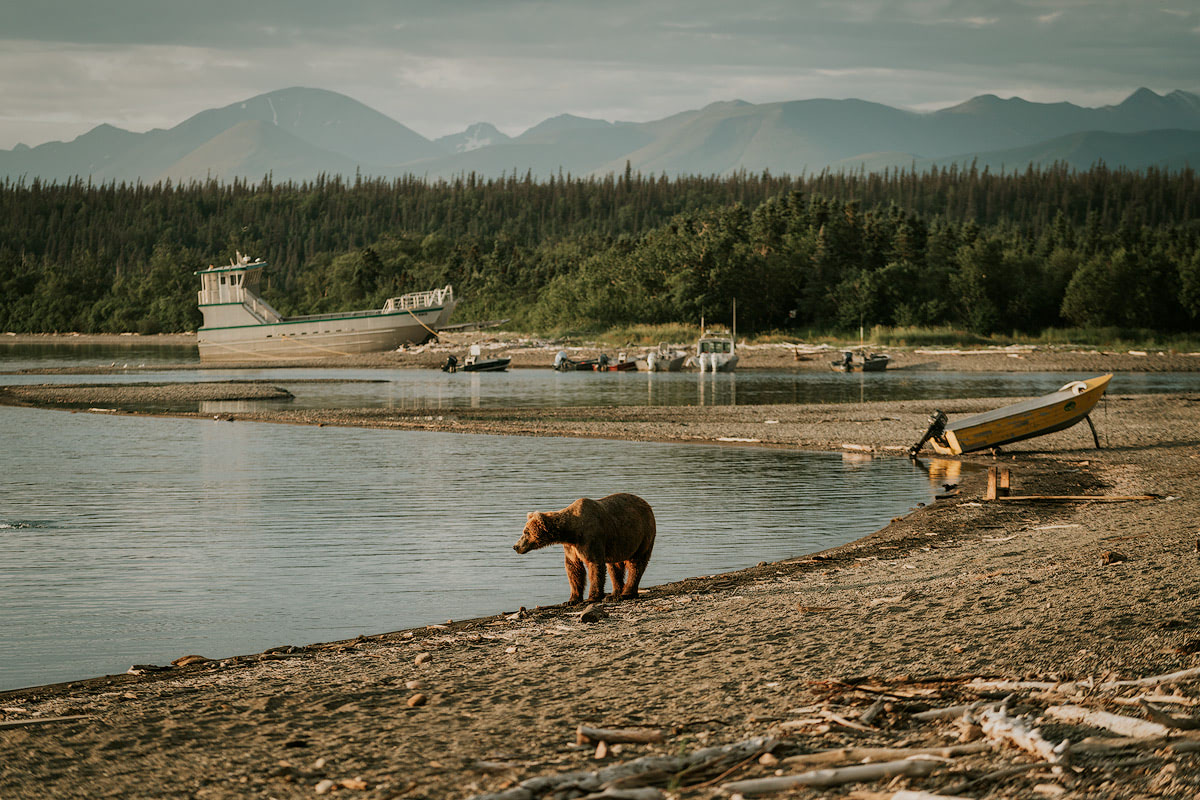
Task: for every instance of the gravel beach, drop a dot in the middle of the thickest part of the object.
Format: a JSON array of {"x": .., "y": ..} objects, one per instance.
[{"x": 1021, "y": 609}]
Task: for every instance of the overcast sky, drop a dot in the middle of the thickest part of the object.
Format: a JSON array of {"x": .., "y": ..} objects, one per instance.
[{"x": 438, "y": 66}]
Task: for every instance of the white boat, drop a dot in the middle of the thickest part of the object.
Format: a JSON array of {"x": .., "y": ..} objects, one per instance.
[
  {"x": 664, "y": 359},
  {"x": 241, "y": 326},
  {"x": 716, "y": 352}
]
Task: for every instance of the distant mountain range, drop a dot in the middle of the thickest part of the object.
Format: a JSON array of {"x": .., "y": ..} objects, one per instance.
[{"x": 298, "y": 134}]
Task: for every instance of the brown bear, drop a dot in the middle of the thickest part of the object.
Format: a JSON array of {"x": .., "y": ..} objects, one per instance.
[{"x": 617, "y": 530}]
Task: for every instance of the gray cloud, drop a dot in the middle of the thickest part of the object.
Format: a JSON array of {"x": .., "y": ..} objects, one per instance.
[{"x": 68, "y": 65}]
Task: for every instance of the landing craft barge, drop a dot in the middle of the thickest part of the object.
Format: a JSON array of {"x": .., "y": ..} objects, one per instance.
[{"x": 241, "y": 326}]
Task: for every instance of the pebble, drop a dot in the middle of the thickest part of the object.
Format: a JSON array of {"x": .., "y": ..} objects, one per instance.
[
  {"x": 414, "y": 684},
  {"x": 417, "y": 699},
  {"x": 422, "y": 658},
  {"x": 323, "y": 787}
]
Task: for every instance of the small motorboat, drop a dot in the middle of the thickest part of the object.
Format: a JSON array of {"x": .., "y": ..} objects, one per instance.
[
  {"x": 1035, "y": 417},
  {"x": 564, "y": 363},
  {"x": 473, "y": 362},
  {"x": 866, "y": 362},
  {"x": 664, "y": 359},
  {"x": 622, "y": 364}
]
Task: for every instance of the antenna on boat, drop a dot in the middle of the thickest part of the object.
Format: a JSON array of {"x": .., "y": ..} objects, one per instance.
[{"x": 733, "y": 345}]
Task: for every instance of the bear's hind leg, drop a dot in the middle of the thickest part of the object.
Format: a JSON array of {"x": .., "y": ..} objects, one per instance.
[
  {"x": 597, "y": 576},
  {"x": 636, "y": 568},
  {"x": 617, "y": 571},
  {"x": 577, "y": 577}
]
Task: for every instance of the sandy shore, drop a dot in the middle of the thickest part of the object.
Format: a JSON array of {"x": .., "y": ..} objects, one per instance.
[{"x": 823, "y": 651}]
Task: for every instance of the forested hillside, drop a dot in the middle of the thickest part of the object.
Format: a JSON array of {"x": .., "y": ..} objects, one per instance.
[{"x": 991, "y": 253}]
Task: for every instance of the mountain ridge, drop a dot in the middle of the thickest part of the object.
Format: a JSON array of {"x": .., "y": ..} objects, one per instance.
[{"x": 298, "y": 133}]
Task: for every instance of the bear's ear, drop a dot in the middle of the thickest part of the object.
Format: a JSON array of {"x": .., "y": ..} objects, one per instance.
[{"x": 531, "y": 515}]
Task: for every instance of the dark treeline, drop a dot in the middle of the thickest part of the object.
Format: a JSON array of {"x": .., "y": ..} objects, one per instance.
[{"x": 991, "y": 253}]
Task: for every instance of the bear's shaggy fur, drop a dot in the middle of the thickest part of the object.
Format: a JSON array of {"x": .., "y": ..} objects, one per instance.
[{"x": 617, "y": 531}]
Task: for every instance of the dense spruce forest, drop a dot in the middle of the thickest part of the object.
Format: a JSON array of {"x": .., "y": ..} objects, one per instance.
[{"x": 1017, "y": 252}]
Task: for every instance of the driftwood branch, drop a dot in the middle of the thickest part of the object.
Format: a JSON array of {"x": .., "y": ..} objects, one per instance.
[
  {"x": 912, "y": 768},
  {"x": 1117, "y": 723},
  {"x": 868, "y": 717},
  {"x": 1100, "y": 745},
  {"x": 1163, "y": 718},
  {"x": 950, "y": 712},
  {"x": 643, "y": 793},
  {"x": 23, "y": 723},
  {"x": 904, "y": 794},
  {"x": 586, "y": 735},
  {"x": 1155, "y": 680},
  {"x": 998, "y": 775},
  {"x": 999, "y": 727},
  {"x": 828, "y": 758}
]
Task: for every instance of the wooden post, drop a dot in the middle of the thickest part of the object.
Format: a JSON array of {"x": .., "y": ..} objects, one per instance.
[
  {"x": 990, "y": 494},
  {"x": 1003, "y": 489}
]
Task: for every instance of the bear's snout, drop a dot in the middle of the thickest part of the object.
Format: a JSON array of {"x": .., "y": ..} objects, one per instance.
[{"x": 522, "y": 546}]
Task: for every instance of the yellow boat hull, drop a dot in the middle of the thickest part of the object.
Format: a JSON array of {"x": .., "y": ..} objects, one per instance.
[{"x": 1024, "y": 420}]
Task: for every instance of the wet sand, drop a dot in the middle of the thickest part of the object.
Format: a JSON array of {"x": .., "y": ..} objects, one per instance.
[{"x": 1070, "y": 594}]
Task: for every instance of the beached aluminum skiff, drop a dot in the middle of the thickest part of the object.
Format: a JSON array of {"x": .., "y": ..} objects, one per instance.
[{"x": 1035, "y": 417}]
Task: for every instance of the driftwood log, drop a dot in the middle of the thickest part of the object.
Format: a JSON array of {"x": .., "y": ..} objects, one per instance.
[
  {"x": 1117, "y": 723},
  {"x": 859, "y": 773},
  {"x": 828, "y": 758},
  {"x": 23, "y": 723},
  {"x": 999, "y": 727},
  {"x": 586, "y": 735}
]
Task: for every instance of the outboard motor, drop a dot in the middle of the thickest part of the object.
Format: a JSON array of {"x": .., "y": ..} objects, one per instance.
[
  {"x": 561, "y": 360},
  {"x": 451, "y": 364},
  {"x": 937, "y": 427}
]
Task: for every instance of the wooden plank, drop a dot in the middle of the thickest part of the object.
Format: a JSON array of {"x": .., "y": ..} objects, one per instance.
[
  {"x": 1078, "y": 498},
  {"x": 1003, "y": 489},
  {"x": 991, "y": 492},
  {"x": 20, "y": 723}
]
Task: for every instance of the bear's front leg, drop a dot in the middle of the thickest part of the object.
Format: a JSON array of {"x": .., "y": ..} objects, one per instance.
[
  {"x": 577, "y": 577},
  {"x": 596, "y": 575}
]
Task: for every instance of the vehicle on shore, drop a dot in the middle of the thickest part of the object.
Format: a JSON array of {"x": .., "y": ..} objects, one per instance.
[
  {"x": 241, "y": 326},
  {"x": 1024, "y": 420}
]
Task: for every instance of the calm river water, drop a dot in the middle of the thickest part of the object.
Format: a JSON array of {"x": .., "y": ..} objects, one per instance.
[{"x": 138, "y": 540}]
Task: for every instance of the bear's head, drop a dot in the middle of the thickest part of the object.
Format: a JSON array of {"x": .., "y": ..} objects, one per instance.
[{"x": 538, "y": 533}]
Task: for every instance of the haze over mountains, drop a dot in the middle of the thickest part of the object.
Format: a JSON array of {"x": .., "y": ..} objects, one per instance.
[{"x": 298, "y": 134}]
